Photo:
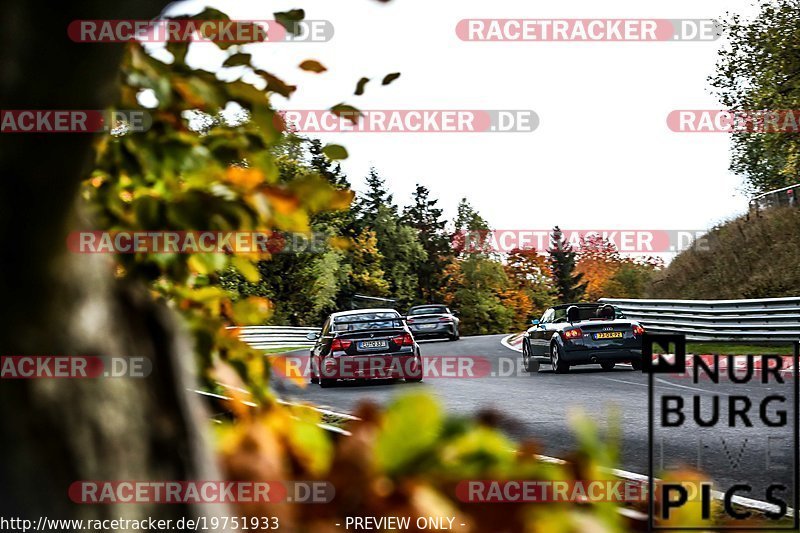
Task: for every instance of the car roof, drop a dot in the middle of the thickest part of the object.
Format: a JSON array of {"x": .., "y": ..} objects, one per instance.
[
  {"x": 363, "y": 311},
  {"x": 585, "y": 304},
  {"x": 427, "y": 305}
]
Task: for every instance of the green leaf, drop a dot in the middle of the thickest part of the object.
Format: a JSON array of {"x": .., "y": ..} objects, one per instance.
[
  {"x": 389, "y": 78},
  {"x": 178, "y": 51},
  {"x": 289, "y": 19},
  {"x": 360, "y": 86},
  {"x": 411, "y": 426},
  {"x": 335, "y": 151},
  {"x": 236, "y": 60},
  {"x": 275, "y": 84},
  {"x": 346, "y": 111}
]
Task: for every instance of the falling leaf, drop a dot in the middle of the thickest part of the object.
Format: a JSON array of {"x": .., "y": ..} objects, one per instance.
[
  {"x": 346, "y": 111},
  {"x": 335, "y": 151},
  {"x": 312, "y": 65},
  {"x": 360, "y": 86},
  {"x": 389, "y": 78},
  {"x": 290, "y": 20}
]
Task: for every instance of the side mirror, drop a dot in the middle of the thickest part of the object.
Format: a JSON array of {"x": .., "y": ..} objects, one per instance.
[
  {"x": 535, "y": 321},
  {"x": 312, "y": 336}
]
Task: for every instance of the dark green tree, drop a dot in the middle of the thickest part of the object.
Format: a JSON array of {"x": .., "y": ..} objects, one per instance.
[
  {"x": 566, "y": 281},
  {"x": 426, "y": 219},
  {"x": 398, "y": 243},
  {"x": 471, "y": 230}
]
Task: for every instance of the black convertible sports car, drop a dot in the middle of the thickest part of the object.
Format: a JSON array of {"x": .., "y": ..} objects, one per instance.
[{"x": 579, "y": 334}]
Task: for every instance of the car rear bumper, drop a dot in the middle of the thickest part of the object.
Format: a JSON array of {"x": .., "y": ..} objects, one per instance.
[
  {"x": 588, "y": 356},
  {"x": 617, "y": 355},
  {"x": 438, "y": 331}
]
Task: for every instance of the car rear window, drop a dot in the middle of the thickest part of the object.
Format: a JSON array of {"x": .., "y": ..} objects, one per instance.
[
  {"x": 366, "y": 321},
  {"x": 429, "y": 310}
]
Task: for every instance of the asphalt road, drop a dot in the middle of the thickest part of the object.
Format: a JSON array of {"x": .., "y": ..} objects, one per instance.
[{"x": 538, "y": 406}]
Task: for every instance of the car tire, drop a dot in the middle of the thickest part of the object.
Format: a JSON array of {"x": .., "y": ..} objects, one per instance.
[
  {"x": 557, "y": 359},
  {"x": 455, "y": 336},
  {"x": 530, "y": 365},
  {"x": 314, "y": 374},
  {"x": 415, "y": 378},
  {"x": 327, "y": 383},
  {"x": 607, "y": 365},
  {"x": 637, "y": 365}
]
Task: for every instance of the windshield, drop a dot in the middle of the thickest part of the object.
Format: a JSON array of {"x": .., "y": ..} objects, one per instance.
[
  {"x": 428, "y": 310},
  {"x": 367, "y": 321}
]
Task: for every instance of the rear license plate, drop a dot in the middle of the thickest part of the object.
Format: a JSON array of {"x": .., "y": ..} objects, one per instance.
[
  {"x": 427, "y": 326},
  {"x": 372, "y": 345},
  {"x": 608, "y": 335}
]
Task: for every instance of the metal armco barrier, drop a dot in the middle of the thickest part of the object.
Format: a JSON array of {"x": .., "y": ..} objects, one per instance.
[
  {"x": 264, "y": 337},
  {"x": 767, "y": 319},
  {"x": 786, "y": 196}
]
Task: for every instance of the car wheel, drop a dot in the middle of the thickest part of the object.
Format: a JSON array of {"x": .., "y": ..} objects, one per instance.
[
  {"x": 455, "y": 336},
  {"x": 636, "y": 364},
  {"x": 607, "y": 365},
  {"x": 557, "y": 360},
  {"x": 314, "y": 374},
  {"x": 415, "y": 378},
  {"x": 529, "y": 364}
]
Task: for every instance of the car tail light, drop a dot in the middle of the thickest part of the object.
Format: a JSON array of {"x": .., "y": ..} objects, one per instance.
[
  {"x": 340, "y": 345},
  {"x": 403, "y": 340},
  {"x": 444, "y": 319},
  {"x": 573, "y": 333},
  {"x": 637, "y": 329},
  {"x": 410, "y": 321}
]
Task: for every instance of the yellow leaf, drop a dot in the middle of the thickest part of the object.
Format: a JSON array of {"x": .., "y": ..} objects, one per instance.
[{"x": 246, "y": 268}]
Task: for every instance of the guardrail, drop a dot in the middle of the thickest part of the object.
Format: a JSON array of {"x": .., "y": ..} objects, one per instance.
[
  {"x": 785, "y": 196},
  {"x": 265, "y": 337},
  {"x": 766, "y": 319}
]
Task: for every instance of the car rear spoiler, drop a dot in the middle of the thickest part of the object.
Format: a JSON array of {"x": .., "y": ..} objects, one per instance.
[{"x": 371, "y": 320}]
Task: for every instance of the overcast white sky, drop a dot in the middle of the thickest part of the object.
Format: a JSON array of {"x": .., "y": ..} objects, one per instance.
[{"x": 602, "y": 156}]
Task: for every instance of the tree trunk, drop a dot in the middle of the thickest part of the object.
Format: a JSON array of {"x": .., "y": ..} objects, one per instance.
[{"x": 54, "y": 432}]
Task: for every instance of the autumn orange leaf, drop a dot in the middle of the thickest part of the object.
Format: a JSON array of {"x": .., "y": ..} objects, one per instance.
[
  {"x": 246, "y": 178},
  {"x": 312, "y": 66}
]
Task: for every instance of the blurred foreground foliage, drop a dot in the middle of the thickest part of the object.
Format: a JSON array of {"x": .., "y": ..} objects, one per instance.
[{"x": 408, "y": 460}]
